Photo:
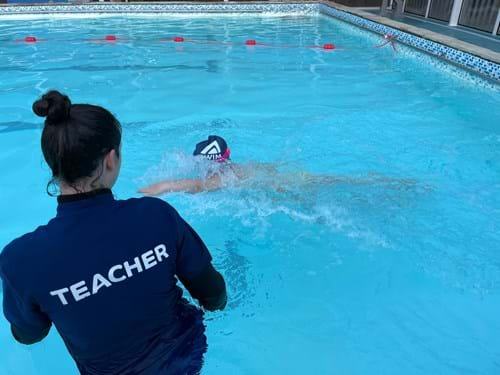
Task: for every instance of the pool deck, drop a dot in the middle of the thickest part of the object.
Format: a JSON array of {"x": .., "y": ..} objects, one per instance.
[{"x": 423, "y": 32}]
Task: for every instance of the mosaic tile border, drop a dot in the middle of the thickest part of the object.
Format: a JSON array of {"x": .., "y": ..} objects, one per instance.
[
  {"x": 463, "y": 59},
  {"x": 289, "y": 8},
  {"x": 460, "y": 58}
]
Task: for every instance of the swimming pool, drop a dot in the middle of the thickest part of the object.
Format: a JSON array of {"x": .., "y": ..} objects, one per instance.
[{"x": 397, "y": 271}]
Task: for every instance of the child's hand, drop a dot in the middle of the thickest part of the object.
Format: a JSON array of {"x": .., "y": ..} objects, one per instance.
[
  {"x": 174, "y": 186},
  {"x": 152, "y": 190}
]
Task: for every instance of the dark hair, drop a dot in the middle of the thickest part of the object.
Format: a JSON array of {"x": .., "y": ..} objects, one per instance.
[{"x": 75, "y": 137}]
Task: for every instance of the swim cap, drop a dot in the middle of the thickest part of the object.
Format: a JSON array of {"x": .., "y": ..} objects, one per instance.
[{"x": 214, "y": 148}]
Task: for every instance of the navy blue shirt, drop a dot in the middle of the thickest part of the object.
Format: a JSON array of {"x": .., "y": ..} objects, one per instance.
[{"x": 103, "y": 271}]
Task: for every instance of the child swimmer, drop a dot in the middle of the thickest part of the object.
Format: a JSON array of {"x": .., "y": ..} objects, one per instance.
[{"x": 227, "y": 174}]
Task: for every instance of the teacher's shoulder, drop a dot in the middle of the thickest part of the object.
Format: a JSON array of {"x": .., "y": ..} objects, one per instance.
[
  {"x": 150, "y": 204},
  {"x": 24, "y": 248}
]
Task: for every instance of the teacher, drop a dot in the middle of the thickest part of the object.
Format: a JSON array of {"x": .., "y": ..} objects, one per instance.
[{"x": 104, "y": 271}]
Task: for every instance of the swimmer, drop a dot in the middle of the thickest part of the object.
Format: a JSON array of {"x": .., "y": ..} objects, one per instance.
[
  {"x": 214, "y": 149},
  {"x": 224, "y": 173}
]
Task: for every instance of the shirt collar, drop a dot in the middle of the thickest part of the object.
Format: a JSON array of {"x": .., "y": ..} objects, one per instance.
[
  {"x": 81, "y": 196},
  {"x": 92, "y": 198}
]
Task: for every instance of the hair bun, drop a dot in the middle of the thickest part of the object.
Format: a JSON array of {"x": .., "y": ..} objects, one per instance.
[{"x": 53, "y": 105}]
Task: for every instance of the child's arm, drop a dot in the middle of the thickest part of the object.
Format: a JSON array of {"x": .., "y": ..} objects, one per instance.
[{"x": 193, "y": 186}]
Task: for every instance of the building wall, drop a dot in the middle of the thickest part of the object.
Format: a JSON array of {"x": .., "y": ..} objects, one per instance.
[{"x": 476, "y": 14}]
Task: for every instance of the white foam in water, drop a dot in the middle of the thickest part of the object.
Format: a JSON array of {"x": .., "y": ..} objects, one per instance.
[
  {"x": 254, "y": 205},
  {"x": 177, "y": 164}
]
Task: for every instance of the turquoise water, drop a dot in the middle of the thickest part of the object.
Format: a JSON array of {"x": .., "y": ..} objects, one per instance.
[{"x": 396, "y": 271}]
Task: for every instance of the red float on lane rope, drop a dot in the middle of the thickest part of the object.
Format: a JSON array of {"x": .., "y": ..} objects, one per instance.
[
  {"x": 30, "y": 39},
  {"x": 178, "y": 39},
  {"x": 250, "y": 42},
  {"x": 329, "y": 46},
  {"x": 107, "y": 38}
]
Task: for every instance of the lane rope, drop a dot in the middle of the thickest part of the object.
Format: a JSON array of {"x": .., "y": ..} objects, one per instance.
[{"x": 388, "y": 39}]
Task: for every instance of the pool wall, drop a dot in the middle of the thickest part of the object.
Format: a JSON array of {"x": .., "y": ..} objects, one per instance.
[{"x": 482, "y": 66}]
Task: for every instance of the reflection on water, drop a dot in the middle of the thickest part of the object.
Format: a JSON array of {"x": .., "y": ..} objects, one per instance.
[{"x": 236, "y": 272}]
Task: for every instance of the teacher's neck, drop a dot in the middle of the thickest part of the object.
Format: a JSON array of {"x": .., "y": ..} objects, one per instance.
[{"x": 66, "y": 189}]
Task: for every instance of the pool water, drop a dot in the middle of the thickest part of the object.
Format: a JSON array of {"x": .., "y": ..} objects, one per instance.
[{"x": 393, "y": 270}]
